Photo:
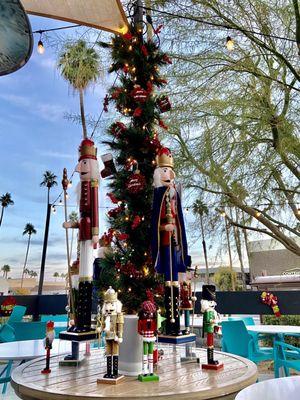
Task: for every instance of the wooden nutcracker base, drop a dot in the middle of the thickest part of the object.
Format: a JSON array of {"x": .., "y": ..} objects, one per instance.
[
  {"x": 214, "y": 367},
  {"x": 191, "y": 337},
  {"x": 71, "y": 363},
  {"x": 78, "y": 337},
  {"x": 111, "y": 381},
  {"x": 148, "y": 378}
]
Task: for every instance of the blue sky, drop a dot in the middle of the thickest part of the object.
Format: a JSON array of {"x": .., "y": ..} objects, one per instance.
[{"x": 35, "y": 136}]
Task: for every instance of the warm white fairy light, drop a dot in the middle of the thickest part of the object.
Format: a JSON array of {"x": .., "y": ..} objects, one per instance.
[{"x": 229, "y": 43}]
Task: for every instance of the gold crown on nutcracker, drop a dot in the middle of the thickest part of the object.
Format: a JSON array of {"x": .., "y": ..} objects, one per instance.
[
  {"x": 87, "y": 149},
  {"x": 164, "y": 158},
  {"x": 110, "y": 295}
]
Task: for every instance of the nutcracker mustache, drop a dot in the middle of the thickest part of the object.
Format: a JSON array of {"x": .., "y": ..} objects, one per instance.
[{"x": 83, "y": 173}]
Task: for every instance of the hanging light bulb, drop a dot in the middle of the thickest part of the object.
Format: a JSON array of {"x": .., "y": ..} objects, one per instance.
[
  {"x": 40, "y": 46},
  {"x": 60, "y": 200},
  {"x": 223, "y": 214},
  {"x": 70, "y": 184},
  {"x": 258, "y": 214},
  {"x": 229, "y": 43},
  {"x": 53, "y": 209},
  {"x": 67, "y": 196}
]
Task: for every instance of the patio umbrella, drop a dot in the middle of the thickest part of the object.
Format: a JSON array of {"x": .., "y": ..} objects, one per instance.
[{"x": 107, "y": 15}]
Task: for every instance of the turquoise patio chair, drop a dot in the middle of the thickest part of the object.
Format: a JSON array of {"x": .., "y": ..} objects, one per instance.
[
  {"x": 247, "y": 320},
  {"x": 29, "y": 330},
  {"x": 286, "y": 356},
  {"x": 7, "y": 334},
  {"x": 237, "y": 340}
]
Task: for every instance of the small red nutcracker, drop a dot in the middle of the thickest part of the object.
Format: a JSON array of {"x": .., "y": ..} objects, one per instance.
[
  {"x": 50, "y": 335},
  {"x": 186, "y": 303},
  {"x": 147, "y": 328}
]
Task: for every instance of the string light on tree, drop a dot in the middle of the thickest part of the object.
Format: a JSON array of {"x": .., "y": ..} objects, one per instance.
[
  {"x": 258, "y": 214},
  {"x": 229, "y": 43}
]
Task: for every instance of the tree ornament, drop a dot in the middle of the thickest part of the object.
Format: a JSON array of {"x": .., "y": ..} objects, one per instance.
[
  {"x": 271, "y": 300},
  {"x": 166, "y": 59},
  {"x": 139, "y": 94},
  {"x": 105, "y": 103},
  {"x": 113, "y": 198},
  {"x": 128, "y": 36},
  {"x": 163, "y": 125},
  {"x": 136, "y": 222},
  {"x": 158, "y": 29},
  {"x": 116, "y": 93},
  {"x": 113, "y": 213},
  {"x": 144, "y": 50},
  {"x": 163, "y": 103},
  {"x": 138, "y": 112},
  {"x": 136, "y": 183},
  {"x": 109, "y": 166},
  {"x": 117, "y": 129}
]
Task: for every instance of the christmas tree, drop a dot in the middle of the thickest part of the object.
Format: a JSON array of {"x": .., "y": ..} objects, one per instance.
[{"x": 134, "y": 142}]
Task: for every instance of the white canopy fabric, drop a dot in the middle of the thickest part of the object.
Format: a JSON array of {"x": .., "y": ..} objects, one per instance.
[{"x": 107, "y": 15}]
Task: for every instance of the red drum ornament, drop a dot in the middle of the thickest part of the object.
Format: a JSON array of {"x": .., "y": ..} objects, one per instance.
[
  {"x": 139, "y": 94},
  {"x": 163, "y": 103},
  {"x": 136, "y": 183}
]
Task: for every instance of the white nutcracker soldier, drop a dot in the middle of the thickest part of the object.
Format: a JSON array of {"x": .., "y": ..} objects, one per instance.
[
  {"x": 147, "y": 328},
  {"x": 88, "y": 237},
  {"x": 211, "y": 320},
  {"x": 111, "y": 324}
]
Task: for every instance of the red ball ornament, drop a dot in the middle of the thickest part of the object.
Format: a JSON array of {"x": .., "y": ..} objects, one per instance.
[
  {"x": 117, "y": 129},
  {"x": 136, "y": 183},
  {"x": 138, "y": 112},
  {"x": 136, "y": 222},
  {"x": 163, "y": 103}
]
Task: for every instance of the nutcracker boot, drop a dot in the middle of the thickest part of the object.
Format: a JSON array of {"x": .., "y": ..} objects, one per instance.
[
  {"x": 108, "y": 374},
  {"x": 115, "y": 366},
  {"x": 210, "y": 357},
  {"x": 84, "y": 307},
  {"x": 176, "y": 326},
  {"x": 168, "y": 308}
]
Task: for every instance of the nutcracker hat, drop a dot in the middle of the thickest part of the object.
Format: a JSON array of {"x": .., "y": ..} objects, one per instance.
[
  {"x": 87, "y": 149},
  {"x": 209, "y": 292},
  {"x": 50, "y": 325},
  {"x": 110, "y": 295},
  {"x": 164, "y": 158},
  {"x": 149, "y": 306}
]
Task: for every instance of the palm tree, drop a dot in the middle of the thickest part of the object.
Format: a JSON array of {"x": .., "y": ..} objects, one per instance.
[
  {"x": 6, "y": 270},
  {"x": 5, "y": 201},
  {"x": 33, "y": 274},
  {"x": 200, "y": 209},
  {"x": 79, "y": 65},
  {"x": 56, "y": 275},
  {"x": 28, "y": 230},
  {"x": 49, "y": 181}
]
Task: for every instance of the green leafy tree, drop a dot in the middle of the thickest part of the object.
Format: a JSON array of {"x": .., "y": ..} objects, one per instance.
[
  {"x": 28, "y": 230},
  {"x": 79, "y": 65},
  {"x": 49, "y": 181},
  {"x": 235, "y": 116},
  {"x": 223, "y": 279},
  {"x": 5, "y": 201},
  {"x": 5, "y": 269}
]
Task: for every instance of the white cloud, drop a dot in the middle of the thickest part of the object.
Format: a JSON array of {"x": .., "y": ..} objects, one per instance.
[
  {"x": 56, "y": 154},
  {"x": 49, "y": 112}
]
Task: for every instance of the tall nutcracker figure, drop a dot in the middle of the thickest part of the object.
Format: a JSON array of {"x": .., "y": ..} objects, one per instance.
[
  {"x": 88, "y": 237},
  {"x": 147, "y": 328},
  {"x": 169, "y": 245},
  {"x": 111, "y": 324},
  {"x": 50, "y": 335},
  {"x": 210, "y": 324}
]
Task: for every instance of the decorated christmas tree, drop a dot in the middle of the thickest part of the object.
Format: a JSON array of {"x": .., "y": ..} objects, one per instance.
[{"x": 133, "y": 140}]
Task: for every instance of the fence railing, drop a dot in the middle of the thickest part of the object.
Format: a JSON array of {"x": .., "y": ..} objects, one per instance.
[{"x": 228, "y": 303}]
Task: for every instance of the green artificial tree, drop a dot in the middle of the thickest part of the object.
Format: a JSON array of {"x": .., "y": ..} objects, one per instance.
[{"x": 134, "y": 142}]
